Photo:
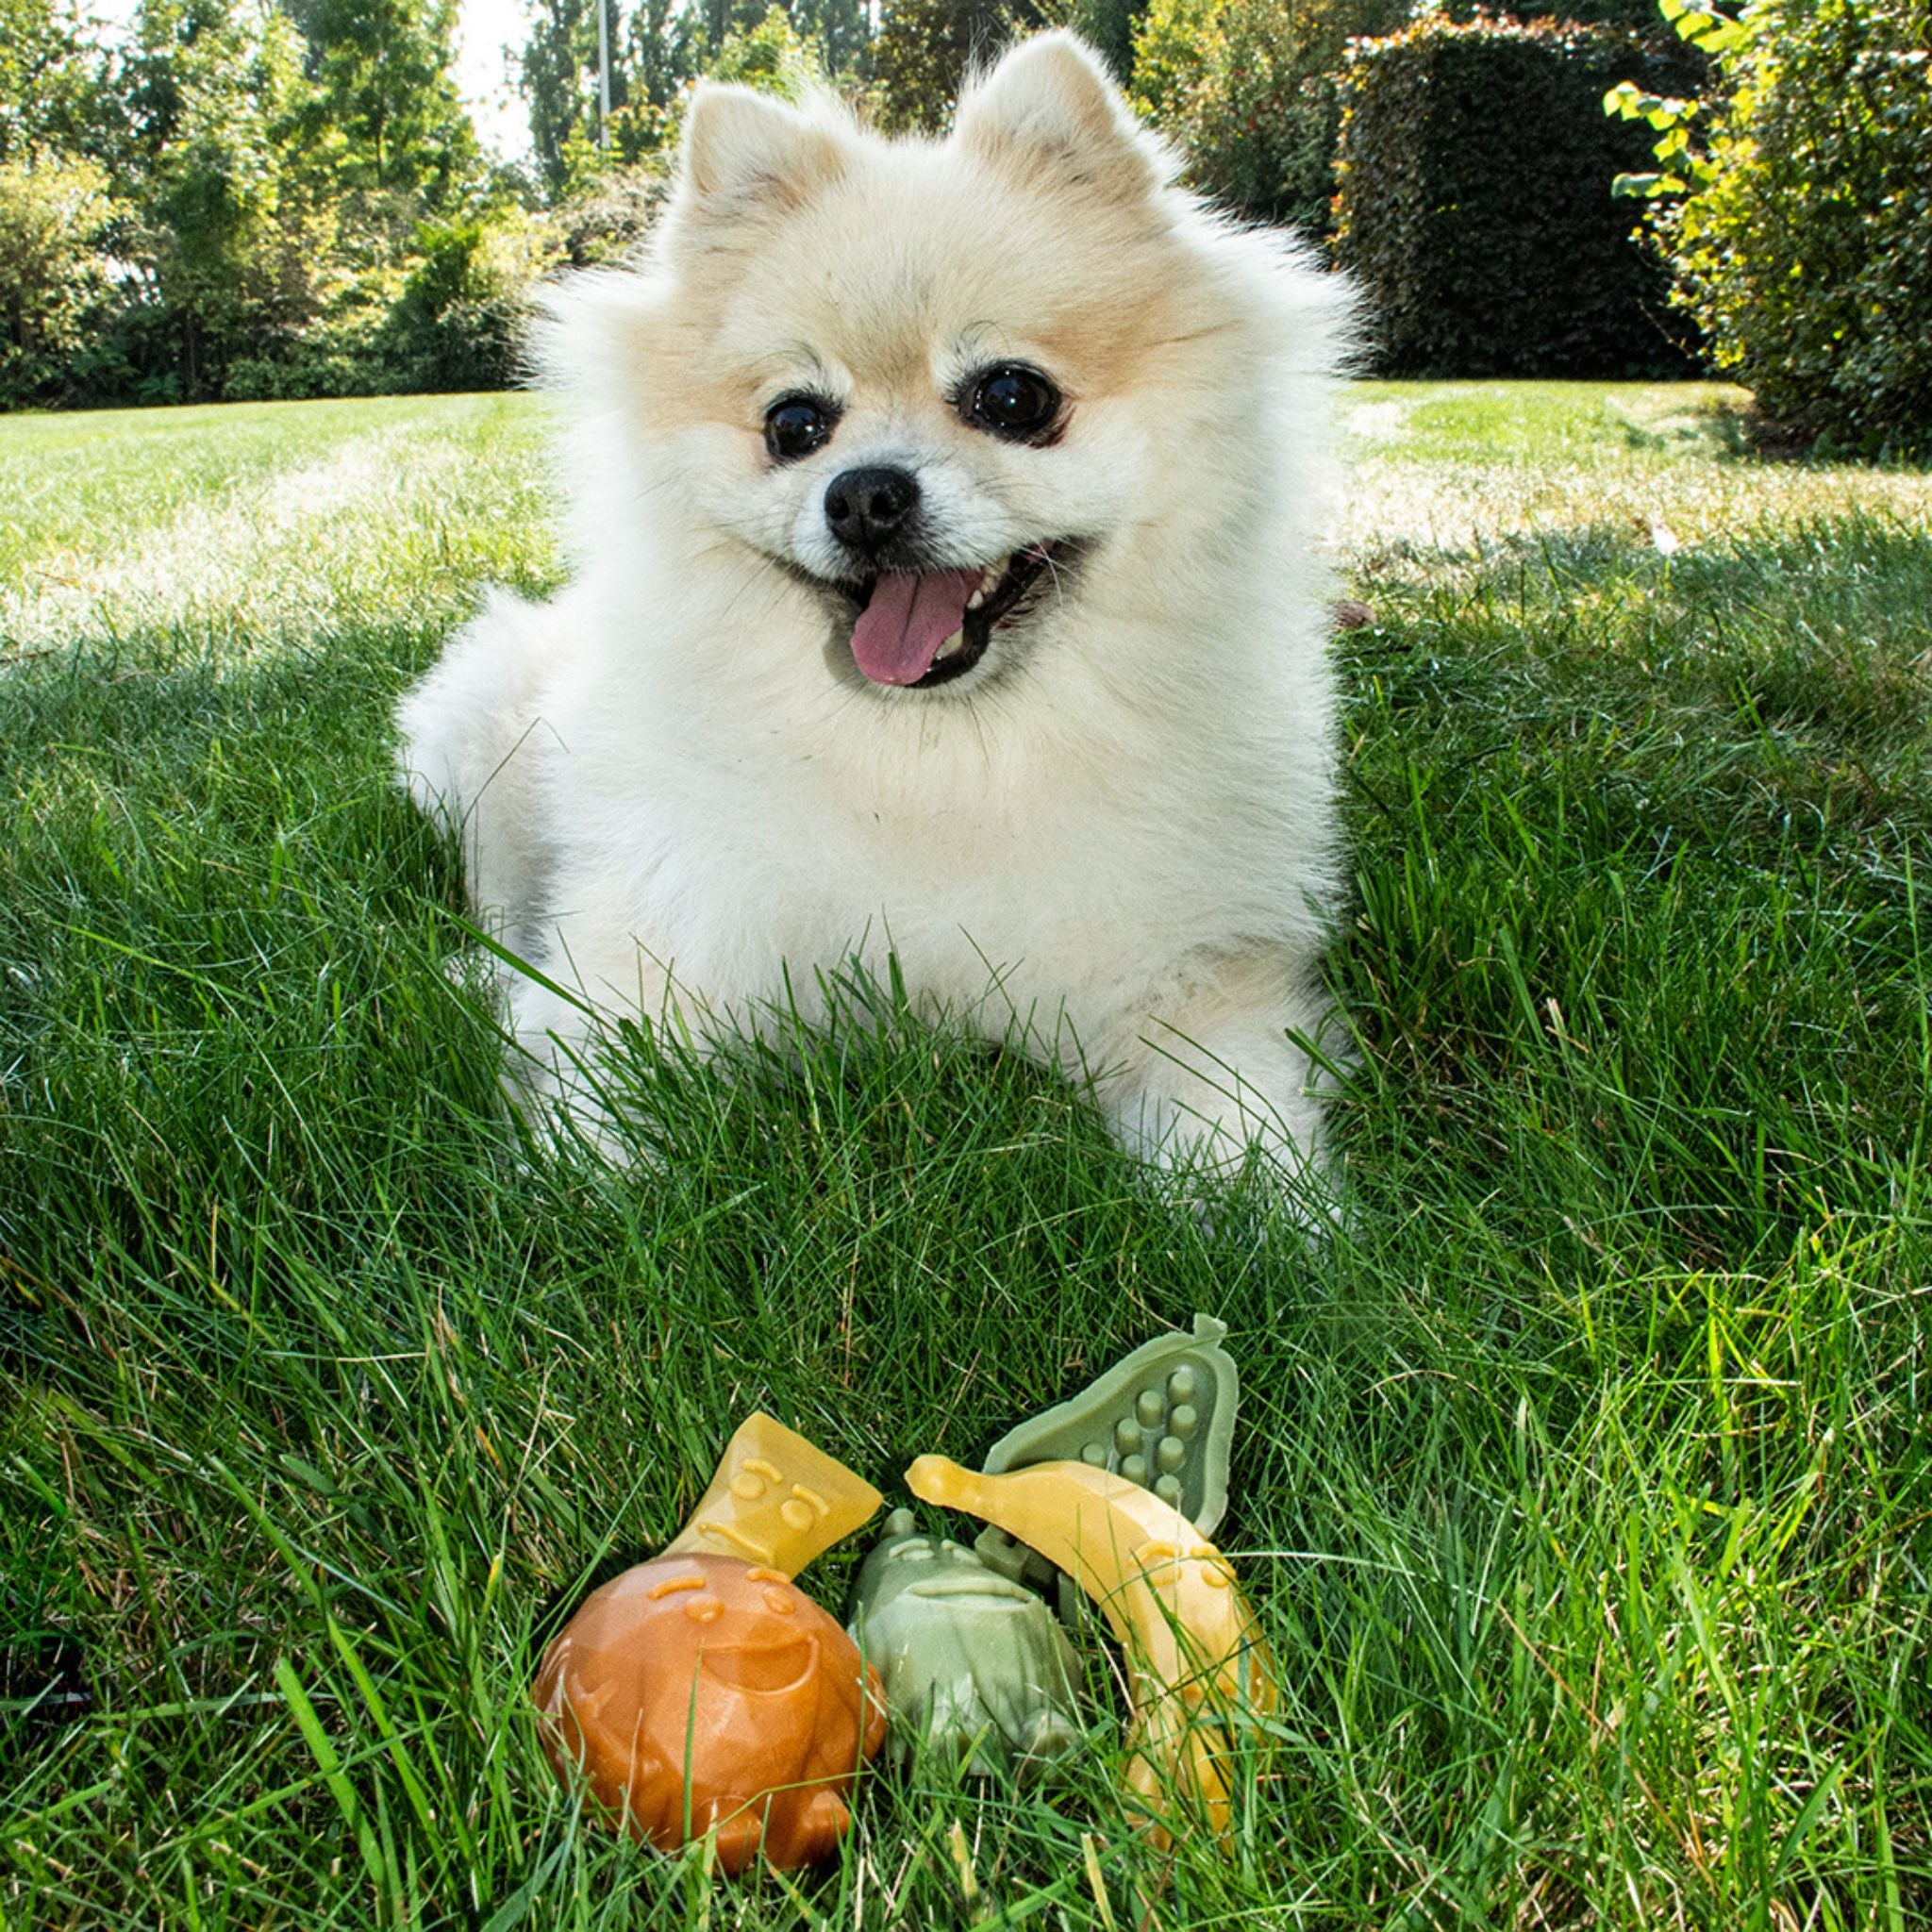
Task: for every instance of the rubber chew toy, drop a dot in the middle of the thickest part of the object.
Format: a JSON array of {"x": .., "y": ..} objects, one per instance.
[
  {"x": 775, "y": 1501},
  {"x": 703, "y": 1692},
  {"x": 973, "y": 1664},
  {"x": 1196, "y": 1664},
  {"x": 1162, "y": 1417}
]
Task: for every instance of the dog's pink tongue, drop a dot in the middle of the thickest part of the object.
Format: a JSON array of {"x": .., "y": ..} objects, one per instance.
[{"x": 900, "y": 631}]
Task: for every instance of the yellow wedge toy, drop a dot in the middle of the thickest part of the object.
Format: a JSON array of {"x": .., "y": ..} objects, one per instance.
[{"x": 777, "y": 1500}]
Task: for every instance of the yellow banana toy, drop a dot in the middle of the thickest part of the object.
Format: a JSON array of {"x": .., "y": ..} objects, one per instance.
[{"x": 1195, "y": 1661}]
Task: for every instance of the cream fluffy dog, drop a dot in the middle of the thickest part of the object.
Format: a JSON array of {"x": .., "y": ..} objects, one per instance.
[{"x": 942, "y": 516}]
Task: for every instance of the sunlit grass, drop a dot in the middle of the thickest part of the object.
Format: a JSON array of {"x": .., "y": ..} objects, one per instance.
[
  {"x": 266, "y": 525},
  {"x": 1582, "y": 1483},
  {"x": 1456, "y": 465}
]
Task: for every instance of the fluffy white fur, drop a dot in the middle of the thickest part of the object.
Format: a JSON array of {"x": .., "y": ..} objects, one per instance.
[{"x": 675, "y": 787}]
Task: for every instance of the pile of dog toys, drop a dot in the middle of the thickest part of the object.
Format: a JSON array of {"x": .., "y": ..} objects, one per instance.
[{"x": 704, "y": 1692}]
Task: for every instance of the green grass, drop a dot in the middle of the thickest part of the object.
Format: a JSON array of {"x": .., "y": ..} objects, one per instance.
[{"x": 1583, "y": 1477}]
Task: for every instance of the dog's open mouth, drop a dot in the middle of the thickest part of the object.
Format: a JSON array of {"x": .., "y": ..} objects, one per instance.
[{"x": 917, "y": 630}]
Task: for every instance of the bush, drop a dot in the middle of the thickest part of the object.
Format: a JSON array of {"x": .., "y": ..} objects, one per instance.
[
  {"x": 1638, "y": 14},
  {"x": 1804, "y": 244},
  {"x": 55, "y": 288},
  {"x": 459, "y": 321},
  {"x": 1474, "y": 204},
  {"x": 343, "y": 353},
  {"x": 608, "y": 221},
  {"x": 1247, "y": 89}
]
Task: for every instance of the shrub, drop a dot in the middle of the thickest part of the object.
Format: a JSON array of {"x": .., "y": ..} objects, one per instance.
[
  {"x": 1638, "y": 14},
  {"x": 1803, "y": 244},
  {"x": 343, "y": 351},
  {"x": 53, "y": 280},
  {"x": 1474, "y": 202},
  {"x": 1247, "y": 89},
  {"x": 608, "y": 221},
  {"x": 459, "y": 321}
]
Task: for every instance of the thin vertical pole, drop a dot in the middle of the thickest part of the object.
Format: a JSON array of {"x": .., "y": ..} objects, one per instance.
[{"x": 603, "y": 74}]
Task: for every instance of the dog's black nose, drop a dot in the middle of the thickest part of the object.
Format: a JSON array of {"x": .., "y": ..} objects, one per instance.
[{"x": 867, "y": 509}]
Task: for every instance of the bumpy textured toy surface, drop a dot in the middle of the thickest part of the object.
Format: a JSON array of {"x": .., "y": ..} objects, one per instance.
[
  {"x": 1198, "y": 1671},
  {"x": 973, "y": 1664},
  {"x": 699, "y": 1692},
  {"x": 1161, "y": 1417},
  {"x": 703, "y": 1690},
  {"x": 776, "y": 1500}
]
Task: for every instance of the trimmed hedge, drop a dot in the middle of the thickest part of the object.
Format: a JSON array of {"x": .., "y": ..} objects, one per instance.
[{"x": 1474, "y": 204}]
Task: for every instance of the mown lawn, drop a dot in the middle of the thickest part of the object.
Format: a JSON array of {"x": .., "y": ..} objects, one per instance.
[{"x": 1583, "y": 1482}]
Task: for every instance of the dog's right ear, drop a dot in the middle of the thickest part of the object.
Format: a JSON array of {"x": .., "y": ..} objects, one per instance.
[{"x": 742, "y": 149}]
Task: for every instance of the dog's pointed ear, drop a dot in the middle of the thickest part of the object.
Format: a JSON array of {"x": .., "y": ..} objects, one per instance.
[
  {"x": 742, "y": 148},
  {"x": 1049, "y": 105}
]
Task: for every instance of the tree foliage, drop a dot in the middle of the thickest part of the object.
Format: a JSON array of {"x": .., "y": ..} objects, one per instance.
[
  {"x": 285, "y": 198},
  {"x": 1795, "y": 208},
  {"x": 654, "y": 59},
  {"x": 383, "y": 103},
  {"x": 227, "y": 230},
  {"x": 51, "y": 80},
  {"x": 1110, "y": 28},
  {"x": 771, "y": 57},
  {"x": 922, "y": 51},
  {"x": 235, "y": 202}
]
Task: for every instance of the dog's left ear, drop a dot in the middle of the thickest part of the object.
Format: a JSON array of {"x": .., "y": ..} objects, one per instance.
[{"x": 1049, "y": 105}]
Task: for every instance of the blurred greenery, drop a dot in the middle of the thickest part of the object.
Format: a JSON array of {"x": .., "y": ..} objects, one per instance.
[{"x": 253, "y": 199}]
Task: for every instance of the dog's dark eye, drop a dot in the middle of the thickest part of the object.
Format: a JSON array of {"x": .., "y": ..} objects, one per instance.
[
  {"x": 1012, "y": 400},
  {"x": 796, "y": 425}
]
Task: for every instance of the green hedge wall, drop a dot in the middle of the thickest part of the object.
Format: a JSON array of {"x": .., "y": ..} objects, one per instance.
[{"x": 1474, "y": 204}]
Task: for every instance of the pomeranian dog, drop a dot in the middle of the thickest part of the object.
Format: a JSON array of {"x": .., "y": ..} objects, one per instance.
[{"x": 942, "y": 516}]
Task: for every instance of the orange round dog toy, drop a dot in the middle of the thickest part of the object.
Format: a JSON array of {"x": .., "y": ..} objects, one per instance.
[{"x": 727, "y": 1669}]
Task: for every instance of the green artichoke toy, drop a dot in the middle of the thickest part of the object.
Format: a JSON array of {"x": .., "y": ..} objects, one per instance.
[{"x": 973, "y": 1663}]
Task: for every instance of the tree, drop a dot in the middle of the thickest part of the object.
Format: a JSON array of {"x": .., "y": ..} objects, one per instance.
[
  {"x": 383, "y": 99},
  {"x": 665, "y": 47},
  {"x": 226, "y": 242},
  {"x": 53, "y": 81},
  {"x": 1110, "y": 27},
  {"x": 557, "y": 75},
  {"x": 924, "y": 50},
  {"x": 769, "y": 57},
  {"x": 55, "y": 212},
  {"x": 838, "y": 32},
  {"x": 662, "y": 52}
]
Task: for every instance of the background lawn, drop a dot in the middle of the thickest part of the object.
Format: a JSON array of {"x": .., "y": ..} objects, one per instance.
[{"x": 1583, "y": 1486}]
